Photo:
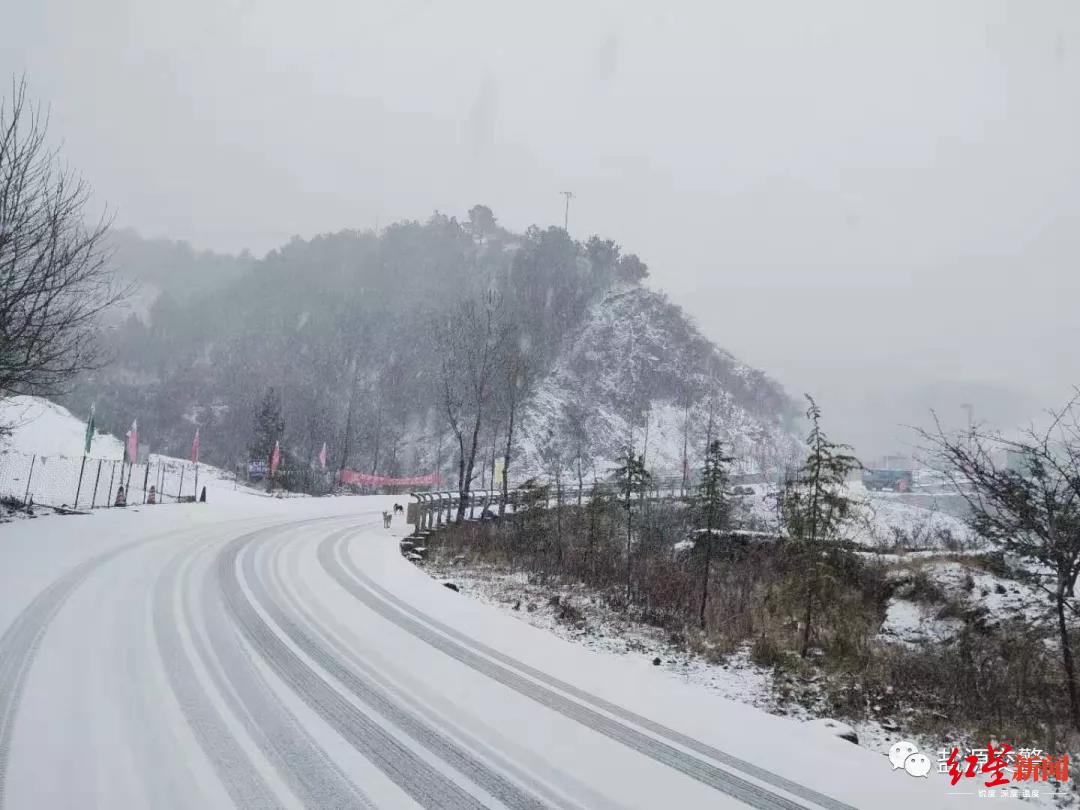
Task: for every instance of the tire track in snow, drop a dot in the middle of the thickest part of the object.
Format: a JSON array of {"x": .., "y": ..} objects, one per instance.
[
  {"x": 299, "y": 600},
  {"x": 242, "y": 781},
  {"x": 19, "y": 644},
  {"x": 416, "y": 777},
  {"x": 310, "y": 773},
  {"x": 336, "y": 562}
]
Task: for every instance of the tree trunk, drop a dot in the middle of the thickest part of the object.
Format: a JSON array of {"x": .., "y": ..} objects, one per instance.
[
  {"x": 378, "y": 437},
  {"x": 629, "y": 526},
  {"x": 1067, "y": 656},
  {"x": 348, "y": 424},
  {"x": 708, "y": 562},
  {"x": 589, "y": 554},
  {"x": 558, "y": 523},
  {"x": 705, "y": 579},
  {"x": 506, "y": 458},
  {"x": 466, "y": 480},
  {"x": 808, "y": 616}
]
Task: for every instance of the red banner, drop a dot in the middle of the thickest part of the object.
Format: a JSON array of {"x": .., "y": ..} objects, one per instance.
[{"x": 362, "y": 480}]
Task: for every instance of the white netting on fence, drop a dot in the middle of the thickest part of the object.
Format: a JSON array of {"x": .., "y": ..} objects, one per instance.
[{"x": 79, "y": 483}]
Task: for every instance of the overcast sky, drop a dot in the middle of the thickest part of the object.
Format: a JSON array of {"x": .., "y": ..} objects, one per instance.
[{"x": 875, "y": 202}]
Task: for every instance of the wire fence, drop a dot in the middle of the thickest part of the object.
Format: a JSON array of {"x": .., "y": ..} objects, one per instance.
[{"x": 91, "y": 483}]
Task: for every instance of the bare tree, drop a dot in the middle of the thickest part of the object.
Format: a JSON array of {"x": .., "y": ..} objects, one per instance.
[
  {"x": 1029, "y": 505},
  {"x": 515, "y": 377},
  {"x": 54, "y": 275},
  {"x": 469, "y": 344},
  {"x": 575, "y": 420}
]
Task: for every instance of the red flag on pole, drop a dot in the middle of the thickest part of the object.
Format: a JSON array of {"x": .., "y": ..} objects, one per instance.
[
  {"x": 195, "y": 447},
  {"x": 322, "y": 456},
  {"x": 275, "y": 458},
  {"x": 132, "y": 448}
]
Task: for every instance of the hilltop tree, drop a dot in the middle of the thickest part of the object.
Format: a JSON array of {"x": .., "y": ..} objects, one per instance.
[
  {"x": 714, "y": 509},
  {"x": 632, "y": 269},
  {"x": 815, "y": 509},
  {"x": 1030, "y": 509},
  {"x": 54, "y": 268},
  {"x": 481, "y": 220}
]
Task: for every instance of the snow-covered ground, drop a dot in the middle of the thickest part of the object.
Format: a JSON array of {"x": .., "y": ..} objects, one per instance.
[
  {"x": 41, "y": 427},
  {"x": 41, "y": 460},
  {"x": 255, "y": 652},
  {"x": 281, "y": 653}
]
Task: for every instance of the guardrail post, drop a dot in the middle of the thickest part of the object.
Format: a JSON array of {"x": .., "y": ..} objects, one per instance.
[
  {"x": 108, "y": 496},
  {"x": 78, "y": 486}
]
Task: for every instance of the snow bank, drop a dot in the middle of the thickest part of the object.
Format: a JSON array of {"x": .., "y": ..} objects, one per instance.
[{"x": 43, "y": 428}]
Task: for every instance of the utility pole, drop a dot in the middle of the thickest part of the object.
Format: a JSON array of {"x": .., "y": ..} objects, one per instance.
[{"x": 566, "y": 216}]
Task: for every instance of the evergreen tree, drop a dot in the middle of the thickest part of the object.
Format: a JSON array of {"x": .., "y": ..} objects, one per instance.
[
  {"x": 632, "y": 478},
  {"x": 814, "y": 509},
  {"x": 714, "y": 509},
  {"x": 267, "y": 427}
]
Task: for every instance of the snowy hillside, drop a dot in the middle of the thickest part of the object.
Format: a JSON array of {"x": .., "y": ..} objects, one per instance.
[
  {"x": 41, "y": 461},
  {"x": 639, "y": 366},
  {"x": 40, "y": 427}
]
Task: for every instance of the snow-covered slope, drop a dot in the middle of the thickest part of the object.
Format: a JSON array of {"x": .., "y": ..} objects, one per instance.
[
  {"x": 639, "y": 367},
  {"x": 40, "y": 427},
  {"x": 41, "y": 461}
]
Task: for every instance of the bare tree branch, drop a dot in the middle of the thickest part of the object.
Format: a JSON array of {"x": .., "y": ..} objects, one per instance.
[{"x": 54, "y": 268}]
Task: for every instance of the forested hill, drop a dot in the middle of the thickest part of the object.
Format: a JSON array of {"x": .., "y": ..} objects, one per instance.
[{"x": 342, "y": 329}]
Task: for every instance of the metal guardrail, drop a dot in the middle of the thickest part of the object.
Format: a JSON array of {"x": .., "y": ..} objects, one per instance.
[{"x": 433, "y": 510}]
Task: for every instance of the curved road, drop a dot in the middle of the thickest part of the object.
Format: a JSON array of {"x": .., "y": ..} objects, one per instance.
[{"x": 283, "y": 654}]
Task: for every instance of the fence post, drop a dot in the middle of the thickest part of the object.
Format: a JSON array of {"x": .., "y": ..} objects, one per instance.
[
  {"x": 180, "y": 491},
  {"x": 146, "y": 480},
  {"x": 112, "y": 476},
  {"x": 78, "y": 486},
  {"x": 93, "y": 495},
  {"x": 29, "y": 478}
]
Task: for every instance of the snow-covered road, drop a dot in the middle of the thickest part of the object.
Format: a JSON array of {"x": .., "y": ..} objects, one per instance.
[{"x": 260, "y": 653}]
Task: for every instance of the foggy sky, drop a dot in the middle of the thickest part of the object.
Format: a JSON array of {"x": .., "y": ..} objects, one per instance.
[{"x": 876, "y": 203}]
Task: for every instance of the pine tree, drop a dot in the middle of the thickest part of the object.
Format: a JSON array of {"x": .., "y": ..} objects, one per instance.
[
  {"x": 714, "y": 508},
  {"x": 814, "y": 509},
  {"x": 268, "y": 426},
  {"x": 632, "y": 478}
]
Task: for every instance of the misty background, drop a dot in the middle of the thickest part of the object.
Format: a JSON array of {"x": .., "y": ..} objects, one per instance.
[{"x": 876, "y": 205}]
